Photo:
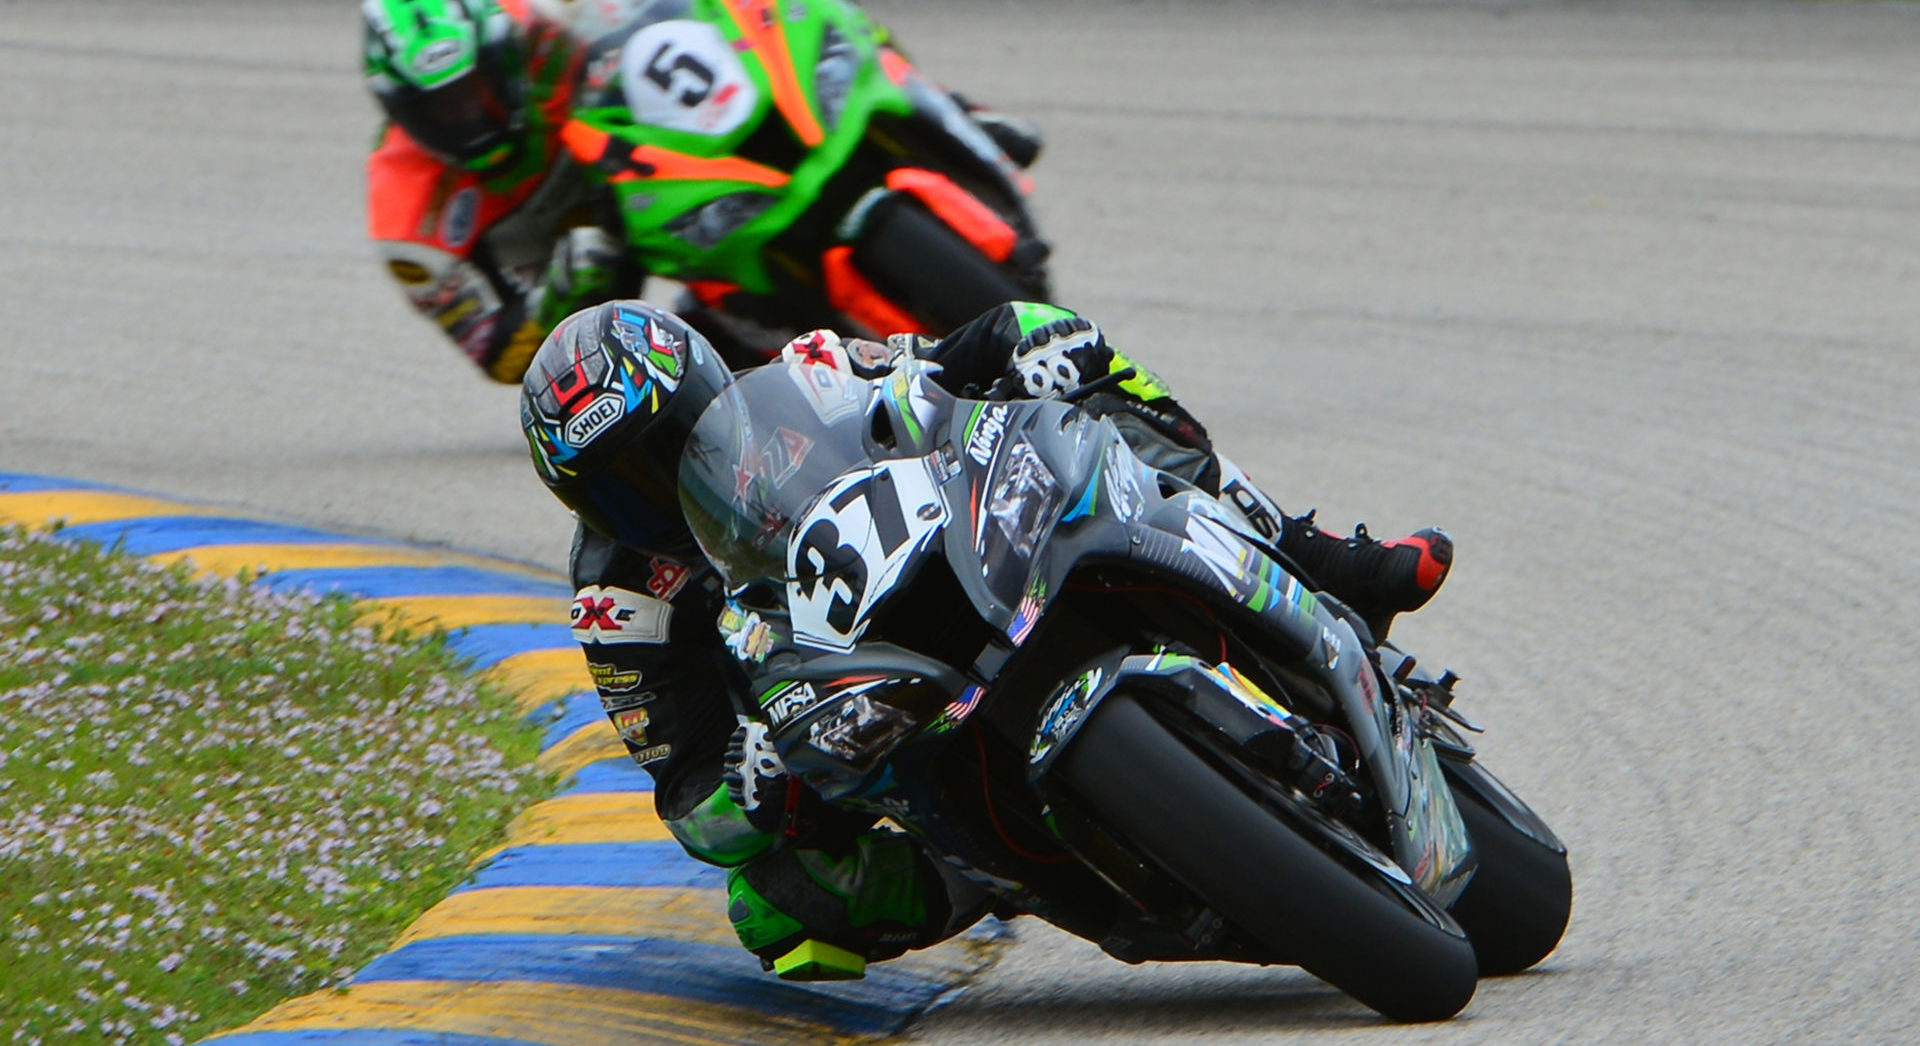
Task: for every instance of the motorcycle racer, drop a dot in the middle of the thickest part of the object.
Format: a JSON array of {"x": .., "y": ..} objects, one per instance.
[
  {"x": 607, "y": 406},
  {"x": 494, "y": 229}
]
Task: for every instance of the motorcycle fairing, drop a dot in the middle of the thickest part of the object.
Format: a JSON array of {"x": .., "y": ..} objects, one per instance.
[{"x": 1019, "y": 506}]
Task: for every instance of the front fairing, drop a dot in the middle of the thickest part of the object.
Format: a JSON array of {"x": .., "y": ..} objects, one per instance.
[{"x": 1038, "y": 487}]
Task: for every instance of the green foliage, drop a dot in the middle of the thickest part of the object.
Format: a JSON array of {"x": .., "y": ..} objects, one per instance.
[{"x": 213, "y": 797}]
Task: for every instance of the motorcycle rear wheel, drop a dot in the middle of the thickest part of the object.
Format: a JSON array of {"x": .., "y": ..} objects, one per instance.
[{"x": 1379, "y": 941}]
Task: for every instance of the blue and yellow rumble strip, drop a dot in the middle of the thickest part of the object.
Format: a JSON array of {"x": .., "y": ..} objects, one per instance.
[{"x": 586, "y": 925}]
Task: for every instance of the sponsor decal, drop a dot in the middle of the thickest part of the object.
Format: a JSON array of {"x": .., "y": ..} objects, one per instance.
[
  {"x": 632, "y": 725},
  {"x": 454, "y": 314},
  {"x": 457, "y": 222},
  {"x": 439, "y": 55},
  {"x": 653, "y": 754},
  {"x": 601, "y": 71},
  {"x": 867, "y": 354},
  {"x": 1330, "y": 648},
  {"x": 1369, "y": 690},
  {"x": 410, "y": 273},
  {"x": 668, "y": 577},
  {"x": 1065, "y": 711},
  {"x": 749, "y": 637},
  {"x": 603, "y": 411},
  {"x": 783, "y": 455},
  {"x": 790, "y": 702},
  {"x": 618, "y": 615},
  {"x": 986, "y": 434},
  {"x": 1240, "y": 496},
  {"x": 621, "y": 702},
  {"x": 612, "y": 679}
]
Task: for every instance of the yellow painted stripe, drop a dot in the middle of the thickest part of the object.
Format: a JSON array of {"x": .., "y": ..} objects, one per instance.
[
  {"x": 538, "y": 676},
  {"x": 40, "y": 507},
  {"x": 450, "y": 612},
  {"x": 597, "y": 817},
  {"x": 589, "y": 744},
  {"x": 224, "y": 560},
  {"x": 673, "y": 913},
  {"x": 560, "y": 1015}
]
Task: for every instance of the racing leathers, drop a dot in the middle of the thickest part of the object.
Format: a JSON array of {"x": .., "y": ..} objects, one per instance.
[{"x": 815, "y": 890}]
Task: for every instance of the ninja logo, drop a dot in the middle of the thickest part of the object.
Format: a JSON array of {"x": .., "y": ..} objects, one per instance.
[
  {"x": 606, "y": 408},
  {"x": 987, "y": 435}
]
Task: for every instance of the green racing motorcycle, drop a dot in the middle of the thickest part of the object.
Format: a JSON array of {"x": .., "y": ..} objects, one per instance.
[{"x": 794, "y": 171}]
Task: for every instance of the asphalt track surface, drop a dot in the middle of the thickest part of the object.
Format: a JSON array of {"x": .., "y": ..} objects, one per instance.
[{"x": 1627, "y": 296}]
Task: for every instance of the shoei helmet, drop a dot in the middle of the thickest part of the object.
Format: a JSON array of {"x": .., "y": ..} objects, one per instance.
[
  {"x": 607, "y": 404},
  {"x": 449, "y": 73}
]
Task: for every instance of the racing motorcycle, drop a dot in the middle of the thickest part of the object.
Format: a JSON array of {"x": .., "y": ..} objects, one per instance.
[
  {"x": 794, "y": 172},
  {"x": 1094, "y": 690}
]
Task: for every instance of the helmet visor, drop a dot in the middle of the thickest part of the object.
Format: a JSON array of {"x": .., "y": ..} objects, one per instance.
[
  {"x": 465, "y": 120},
  {"x": 760, "y": 455}
]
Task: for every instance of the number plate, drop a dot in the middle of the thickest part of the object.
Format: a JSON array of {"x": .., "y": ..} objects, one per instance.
[
  {"x": 683, "y": 75},
  {"x": 854, "y": 544}
]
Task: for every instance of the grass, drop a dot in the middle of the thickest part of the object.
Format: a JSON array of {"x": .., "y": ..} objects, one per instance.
[{"x": 213, "y": 797}]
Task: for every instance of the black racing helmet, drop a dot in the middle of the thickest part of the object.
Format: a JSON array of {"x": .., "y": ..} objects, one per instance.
[{"x": 607, "y": 404}]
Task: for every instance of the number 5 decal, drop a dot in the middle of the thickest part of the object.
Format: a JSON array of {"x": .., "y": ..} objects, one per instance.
[
  {"x": 663, "y": 66},
  {"x": 683, "y": 75},
  {"x": 854, "y": 545}
]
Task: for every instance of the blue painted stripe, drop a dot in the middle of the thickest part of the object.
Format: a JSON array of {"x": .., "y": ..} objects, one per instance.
[
  {"x": 725, "y": 976},
  {"x": 153, "y": 535},
  {"x": 610, "y": 775},
  {"x": 21, "y": 482},
  {"x": 578, "y": 711},
  {"x": 491, "y": 644},
  {"x": 595, "y": 864},
  {"x": 366, "y": 1037},
  {"x": 387, "y": 582}
]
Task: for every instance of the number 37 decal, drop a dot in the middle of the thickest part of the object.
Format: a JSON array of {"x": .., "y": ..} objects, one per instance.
[{"x": 853, "y": 546}]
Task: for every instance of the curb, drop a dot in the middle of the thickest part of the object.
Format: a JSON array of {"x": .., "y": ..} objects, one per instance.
[{"x": 587, "y": 925}]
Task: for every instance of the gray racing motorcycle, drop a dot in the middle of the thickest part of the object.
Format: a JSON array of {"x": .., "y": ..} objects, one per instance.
[{"x": 1095, "y": 691}]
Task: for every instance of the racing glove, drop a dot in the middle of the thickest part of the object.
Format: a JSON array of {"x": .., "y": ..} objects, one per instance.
[
  {"x": 588, "y": 267},
  {"x": 1057, "y": 357},
  {"x": 755, "y": 776}
]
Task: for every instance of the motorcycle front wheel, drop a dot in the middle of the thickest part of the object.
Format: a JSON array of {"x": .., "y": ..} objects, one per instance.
[
  {"x": 1516, "y": 907},
  {"x": 928, "y": 269},
  {"x": 1366, "y": 932}
]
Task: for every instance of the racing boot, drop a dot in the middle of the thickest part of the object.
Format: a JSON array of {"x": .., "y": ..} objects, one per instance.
[
  {"x": 1377, "y": 579},
  {"x": 813, "y": 914}
]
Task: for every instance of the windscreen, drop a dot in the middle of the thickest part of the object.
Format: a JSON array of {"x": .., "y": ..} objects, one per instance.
[{"x": 760, "y": 454}]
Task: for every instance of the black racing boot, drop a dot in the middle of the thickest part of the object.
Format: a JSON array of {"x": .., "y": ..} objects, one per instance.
[{"x": 1378, "y": 579}]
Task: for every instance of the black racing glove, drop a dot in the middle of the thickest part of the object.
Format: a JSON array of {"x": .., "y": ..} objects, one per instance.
[{"x": 1058, "y": 357}]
